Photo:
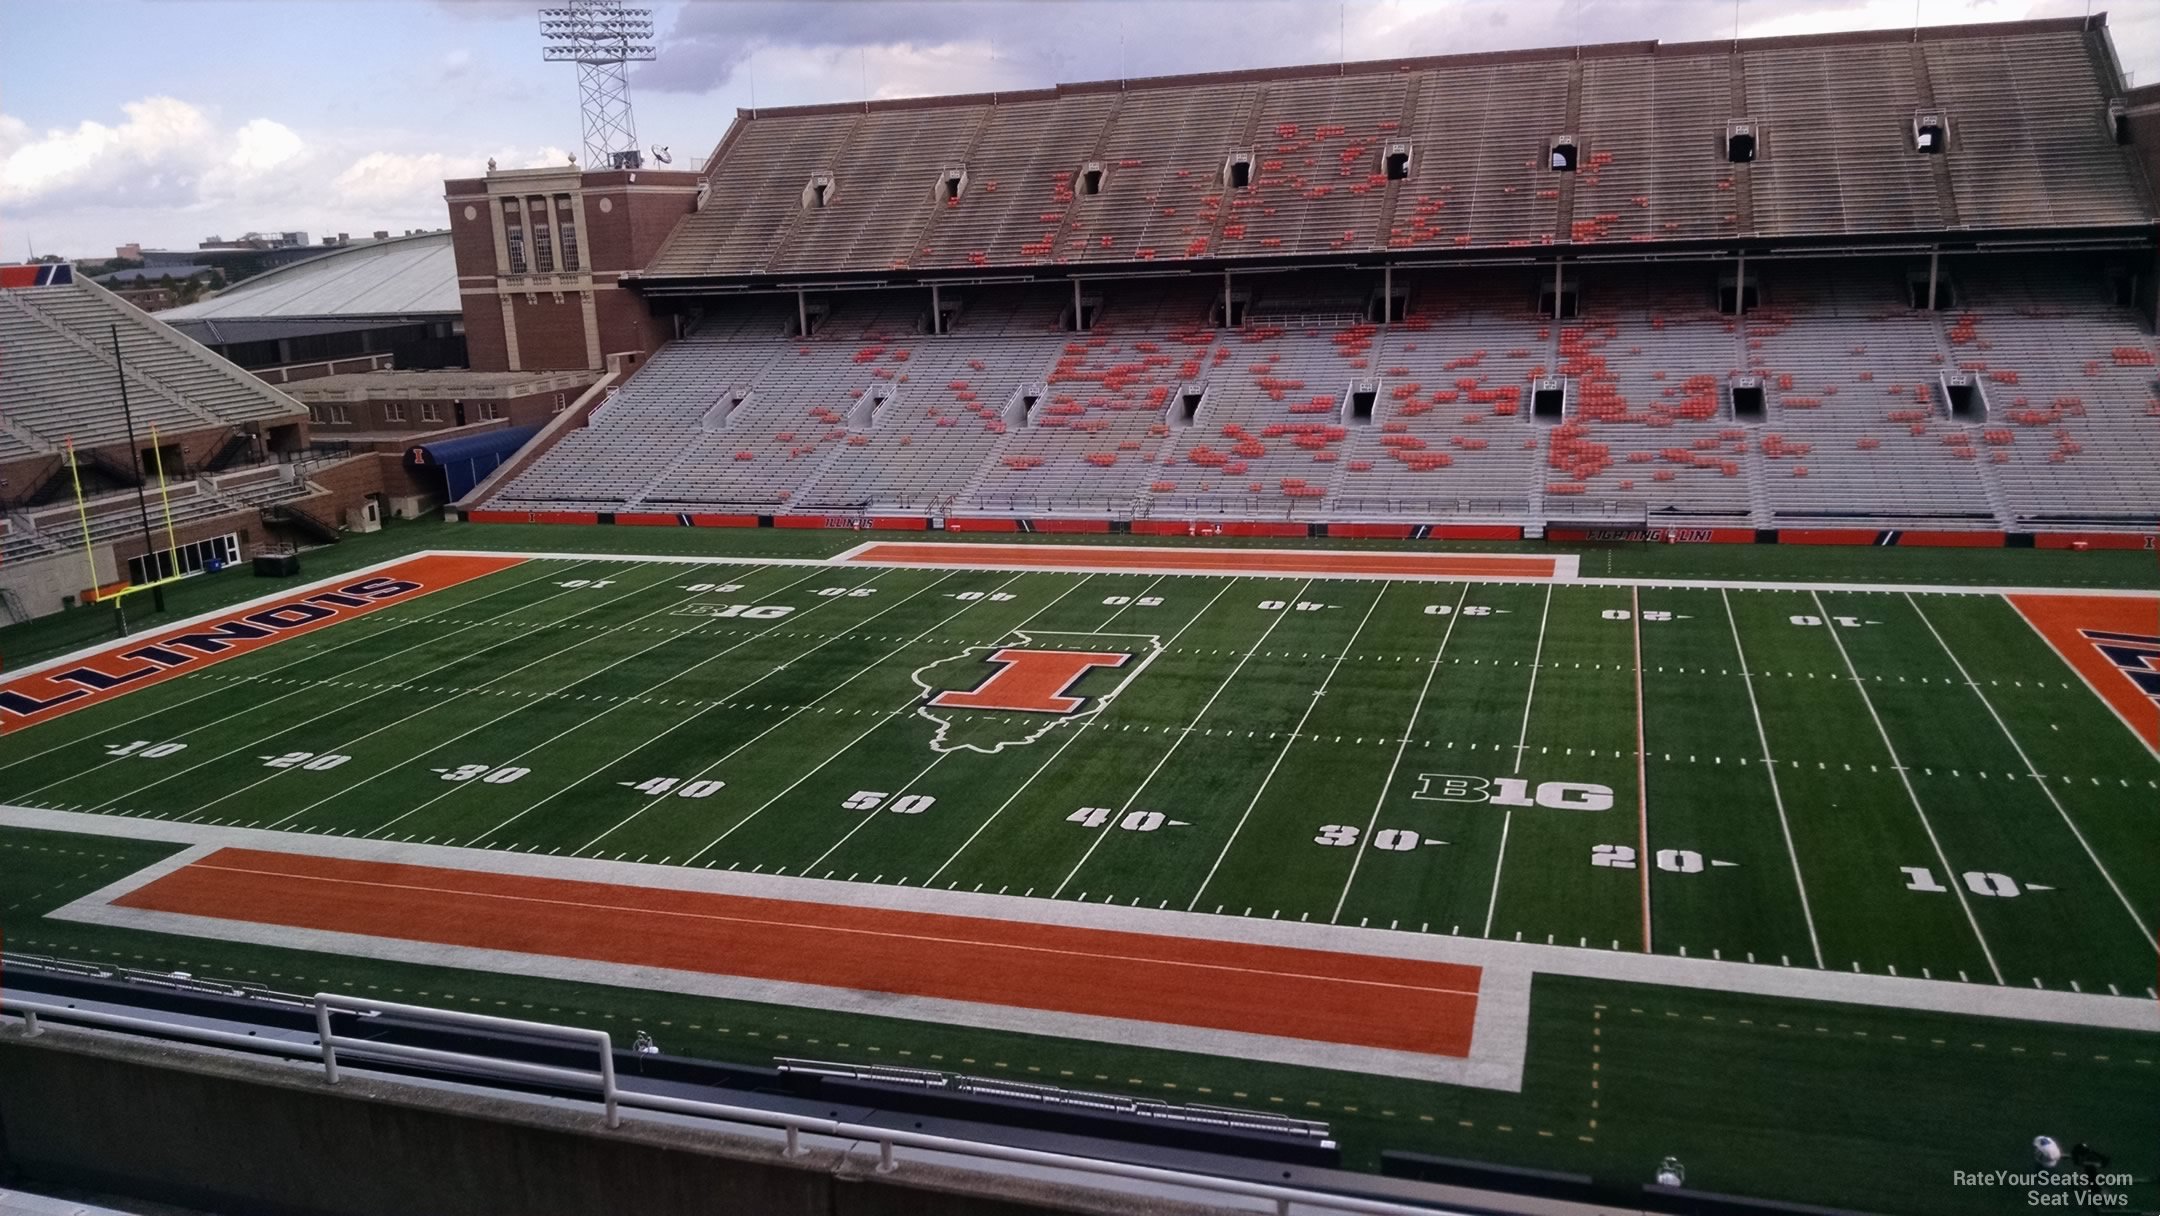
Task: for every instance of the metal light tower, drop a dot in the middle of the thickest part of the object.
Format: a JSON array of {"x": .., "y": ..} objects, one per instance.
[{"x": 600, "y": 36}]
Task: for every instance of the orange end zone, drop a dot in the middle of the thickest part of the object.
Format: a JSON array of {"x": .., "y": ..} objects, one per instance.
[
  {"x": 2112, "y": 641},
  {"x": 1321, "y": 996},
  {"x": 140, "y": 662},
  {"x": 1225, "y": 561}
]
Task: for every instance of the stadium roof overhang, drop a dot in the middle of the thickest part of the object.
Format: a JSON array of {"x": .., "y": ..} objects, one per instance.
[{"x": 1830, "y": 245}]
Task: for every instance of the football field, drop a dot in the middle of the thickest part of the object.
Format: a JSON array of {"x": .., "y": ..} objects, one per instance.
[{"x": 1884, "y": 782}]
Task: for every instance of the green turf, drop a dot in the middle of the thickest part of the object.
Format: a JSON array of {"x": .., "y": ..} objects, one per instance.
[
  {"x": 595, "y": 688},
  {"x": 1830, "y": 1104}
]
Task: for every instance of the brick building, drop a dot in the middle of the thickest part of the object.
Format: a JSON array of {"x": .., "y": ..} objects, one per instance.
[{"x": 541, "y": 254}]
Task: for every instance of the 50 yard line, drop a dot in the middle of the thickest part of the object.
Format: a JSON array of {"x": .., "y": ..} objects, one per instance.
[{"x": 1083, "y": 728}]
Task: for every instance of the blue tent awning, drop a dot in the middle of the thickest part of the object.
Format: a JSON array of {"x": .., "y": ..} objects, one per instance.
[{"x": 467, "y": 460}]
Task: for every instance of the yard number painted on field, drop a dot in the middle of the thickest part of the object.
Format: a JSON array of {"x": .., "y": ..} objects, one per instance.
[
  {"x": 1144, "y": 601},
  {"x": 656, "y": 786},
  {"x": 144, "y": 749},
  {"x": 1979, "y": 882},
  {"x": 696, "y": 587},
  {"x": 1672, "y": 861},
  {"x": 487, "y": 773},
  {"x": 1448, "y": 609},
  {"x": 1806, "y": 621},
  {"x": 1387, "y": 840},
  {"x": 1649, "y": 614},
  {"x": 307, "y": 760},
  {"x": 588, "y": 583},
  {"x": 1131, "y": 821},
  {"x": 1514, "y": 791},
  {"x": 905, "y": 804},
  {"x": 1300, "y": 606}
]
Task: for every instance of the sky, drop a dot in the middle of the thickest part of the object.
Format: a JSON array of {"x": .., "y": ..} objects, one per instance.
[{"x": 165, "y": 122}]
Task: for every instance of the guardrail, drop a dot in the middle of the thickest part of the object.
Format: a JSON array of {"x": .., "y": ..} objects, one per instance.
[{"x": 602, "y": 1084}]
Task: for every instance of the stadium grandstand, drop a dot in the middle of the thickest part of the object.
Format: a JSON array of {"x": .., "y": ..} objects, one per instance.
[
  {"x": 163, "y": 459},
  {"x": 1884, "y": 280}
]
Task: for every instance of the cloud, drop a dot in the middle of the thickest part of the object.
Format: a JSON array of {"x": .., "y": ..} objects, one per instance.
[{"x": 157, "y": 152}]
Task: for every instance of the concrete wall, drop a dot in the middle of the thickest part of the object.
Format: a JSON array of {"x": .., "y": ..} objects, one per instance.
[
  {"x": 231, "y": 1134},
  {"x": 41, "y": 583}
]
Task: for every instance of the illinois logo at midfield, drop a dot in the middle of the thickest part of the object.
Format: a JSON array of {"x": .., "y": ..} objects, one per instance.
[{"x": 1011, "y": 693}]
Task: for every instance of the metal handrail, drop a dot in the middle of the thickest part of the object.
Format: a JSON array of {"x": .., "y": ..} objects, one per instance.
[{"x": 613, "y": 1098}]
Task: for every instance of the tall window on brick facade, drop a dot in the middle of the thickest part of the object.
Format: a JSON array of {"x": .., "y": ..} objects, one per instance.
[
  {"x": 566, "y": 224},
  {"x": 393, "y": 411},
  {"x": 514, "y": 236},
  {"x": 543, "y": 242}
]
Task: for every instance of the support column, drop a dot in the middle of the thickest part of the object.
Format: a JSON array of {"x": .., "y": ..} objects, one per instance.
[
  {"x": 802, "y": 314},
  {"x": 937, "y": 325},
  {"x": 1739, "y": 291},
  {"x": 1226, "y": 300},
  {"x": 1558, "y": 280},
  {"x": 1078, "y": 327},
  {"x": 1387, "y": 294},
  {"x": 1934, "y": 271}
]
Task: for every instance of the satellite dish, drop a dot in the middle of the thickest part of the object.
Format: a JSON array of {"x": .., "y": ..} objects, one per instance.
[{"x": 660, "y": 154}]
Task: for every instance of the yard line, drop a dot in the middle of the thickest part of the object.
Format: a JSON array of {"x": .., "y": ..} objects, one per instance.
[
  {"x": 723, "y": 652},
  {"x": 1522, "y": 737},
  {"x": 1642, "y": 772},
  {"x": 1045, "y": 765},
  {"x": 429, "y": 708},
  {"x": 770, "y": 728},
  {"x": 1777, "y": 796},
  {"x": 1522, "y": 743},
  {"x": 288, "y": 727},
  {"x": 1311, "y": 704},
  {"x": 351, "y": 641},
  {"x": 2031, "y": 771},
  {"x": 1432, "y": 669},
  {"x": 880, "y": 717},
  {"x": 1175, "y": 744},
  {"x": 1913, "y": 795},
  {"x": 699, "y": 775},
  {"x": 513, "y": 711},
  {"x": 870, "y": 816}
]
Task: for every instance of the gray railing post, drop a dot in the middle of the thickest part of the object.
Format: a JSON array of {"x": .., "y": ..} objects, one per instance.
[
  {"x": 607, "y": 1080},
  {"x": 885, "y": 1162},
  {"x": 322, "y": 1036},
  {"x": 30, "y": 1026},
  {"x": 794, "y": 1141}
]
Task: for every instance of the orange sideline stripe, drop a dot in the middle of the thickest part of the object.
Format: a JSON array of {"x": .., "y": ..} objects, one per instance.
[
  {"x": 1000, "y": 557},
  {"x": 142, "y": 661},
  {"x": 1316, "y": 995}
]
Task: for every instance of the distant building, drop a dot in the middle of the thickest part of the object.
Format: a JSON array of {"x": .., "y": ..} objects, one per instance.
[{"x": 364, "y": 306}]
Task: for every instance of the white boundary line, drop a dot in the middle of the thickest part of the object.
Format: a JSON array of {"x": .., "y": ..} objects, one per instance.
[
  {"x": 1897, "y": 765},
  {"x": 1432, "y": 669},
  {"x": 2033, "y": 771},
  {"x": 1777, "y": 795},
  {"x": 1312, "y": 703}
]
